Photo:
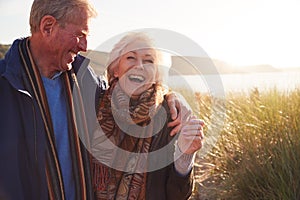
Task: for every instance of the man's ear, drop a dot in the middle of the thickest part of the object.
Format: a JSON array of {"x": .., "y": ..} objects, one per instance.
[{"x": 46, "y": 25}]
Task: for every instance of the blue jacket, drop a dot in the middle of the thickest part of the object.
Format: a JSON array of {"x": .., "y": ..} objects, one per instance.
[{"x": 22, "y": 132}]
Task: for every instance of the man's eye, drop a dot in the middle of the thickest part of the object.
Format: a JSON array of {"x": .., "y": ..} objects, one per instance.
[{"x": 80, "y": 35}]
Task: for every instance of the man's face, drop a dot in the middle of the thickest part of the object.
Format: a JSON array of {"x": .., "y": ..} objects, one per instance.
[{"x": 66, "y": 42}]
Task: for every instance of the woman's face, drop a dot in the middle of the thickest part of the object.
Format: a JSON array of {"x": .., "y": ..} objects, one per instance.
[{"x": 136, "y": 70}]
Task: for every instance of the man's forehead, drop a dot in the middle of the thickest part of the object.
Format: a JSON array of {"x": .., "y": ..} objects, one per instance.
[{"x": 79, "y": 27}]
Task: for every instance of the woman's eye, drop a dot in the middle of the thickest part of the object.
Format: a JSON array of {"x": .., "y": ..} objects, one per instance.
[
  {"x": 130, "y": 57},
  {"x": 149, "y": 61}
]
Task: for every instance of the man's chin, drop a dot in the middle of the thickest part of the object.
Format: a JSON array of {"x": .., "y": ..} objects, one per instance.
[{"x": 69, "y": 64}]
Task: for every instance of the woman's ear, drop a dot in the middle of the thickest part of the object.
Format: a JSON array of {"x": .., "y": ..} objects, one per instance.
[
  {"x": 46, "y": 25},
  {"x": 116, "y": 72}
]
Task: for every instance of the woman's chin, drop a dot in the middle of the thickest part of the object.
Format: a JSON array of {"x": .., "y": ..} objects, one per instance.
[
  {"x": 133, "y": 91},
  {"x": 133, "y": 88}
]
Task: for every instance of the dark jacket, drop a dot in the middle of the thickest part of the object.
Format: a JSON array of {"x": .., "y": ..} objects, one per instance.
[
  {"x": 165, "y": 183},
  {"x": 22, "y": 132},
  {"x": 162, "y": 181}
]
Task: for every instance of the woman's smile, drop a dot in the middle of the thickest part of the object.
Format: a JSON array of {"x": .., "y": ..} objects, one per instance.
[{"x": 136, "y": 78}]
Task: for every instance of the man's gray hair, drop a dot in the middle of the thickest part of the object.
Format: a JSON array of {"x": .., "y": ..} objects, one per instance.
[{"x": 62, "y": 10}]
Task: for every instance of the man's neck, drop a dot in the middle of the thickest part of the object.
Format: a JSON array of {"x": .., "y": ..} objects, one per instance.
[{"x": 40, "y": 57}]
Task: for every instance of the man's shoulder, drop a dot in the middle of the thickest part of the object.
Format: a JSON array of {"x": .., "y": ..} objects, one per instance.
[
  {"x": 11, "y": 58},
  {"x": 80, "y": 63}
]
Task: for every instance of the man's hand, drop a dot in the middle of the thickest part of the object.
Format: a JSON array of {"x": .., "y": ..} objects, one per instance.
[
  {"x": 191, "y": 136},
  {"x": 180, "y": 112}
]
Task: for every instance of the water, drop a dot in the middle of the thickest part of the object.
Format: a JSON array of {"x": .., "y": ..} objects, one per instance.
[{"x": 283, "y": 81}]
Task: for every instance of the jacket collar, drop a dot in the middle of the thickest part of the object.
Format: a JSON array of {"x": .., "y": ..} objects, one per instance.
[
  {"x": 14, "y": 73},
  {"x": 13, "y": 70}
]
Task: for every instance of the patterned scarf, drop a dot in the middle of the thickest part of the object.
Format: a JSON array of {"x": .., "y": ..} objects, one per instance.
[
  {"x": 126, "y": 183},
  {"x": 80, "y": 157}
]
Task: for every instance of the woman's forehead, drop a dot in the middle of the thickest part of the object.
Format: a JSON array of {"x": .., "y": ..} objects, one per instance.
[
  {"x": 141, "y": 52},
  {"x": 141, "y": 46}
]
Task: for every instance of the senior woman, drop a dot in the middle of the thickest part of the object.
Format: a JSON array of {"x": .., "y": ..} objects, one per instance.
[{"x": 134, "y": 156}]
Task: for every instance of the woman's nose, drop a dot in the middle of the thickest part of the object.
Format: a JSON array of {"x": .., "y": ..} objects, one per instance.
[{"x": 139, "y": 64}]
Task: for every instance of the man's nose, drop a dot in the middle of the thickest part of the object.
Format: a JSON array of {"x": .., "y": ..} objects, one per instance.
[{"x": 82, "y": 44}]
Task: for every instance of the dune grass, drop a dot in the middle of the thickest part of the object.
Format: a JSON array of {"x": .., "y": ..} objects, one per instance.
[{"x": 257, "y": 155}]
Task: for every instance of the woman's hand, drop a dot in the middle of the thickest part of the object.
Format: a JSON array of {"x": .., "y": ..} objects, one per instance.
[{"x": 191, "y": 136}]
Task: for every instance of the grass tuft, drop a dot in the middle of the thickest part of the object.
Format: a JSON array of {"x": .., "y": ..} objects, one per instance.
[{"x": 257, "y": 154}]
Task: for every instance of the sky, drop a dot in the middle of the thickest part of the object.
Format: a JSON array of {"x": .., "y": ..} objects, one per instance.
[{"x": 239, "y": 32}]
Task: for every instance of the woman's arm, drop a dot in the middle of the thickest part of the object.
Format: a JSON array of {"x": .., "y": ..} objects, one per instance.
[{"x": 180, "y": 181}]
